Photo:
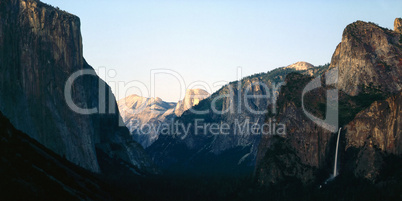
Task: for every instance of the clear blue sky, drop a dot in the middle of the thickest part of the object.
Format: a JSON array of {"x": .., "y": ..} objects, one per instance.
[{"x": 207, "y": 40}]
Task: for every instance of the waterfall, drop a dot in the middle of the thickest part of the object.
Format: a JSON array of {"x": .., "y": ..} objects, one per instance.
[{"x": 336, "y": 153}]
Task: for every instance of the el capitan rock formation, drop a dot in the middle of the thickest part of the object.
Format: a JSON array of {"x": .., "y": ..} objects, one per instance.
[{"x": 40, "y": 48}]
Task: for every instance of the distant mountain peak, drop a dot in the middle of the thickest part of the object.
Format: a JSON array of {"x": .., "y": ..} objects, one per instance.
[
  {"x": 138, "y": 111},
  {"x": 192, "y": 98},
  {"x": 301, "y": 65}
]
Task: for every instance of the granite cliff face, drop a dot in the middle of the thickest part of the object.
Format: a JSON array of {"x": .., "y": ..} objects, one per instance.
[
  {"x": 369, "y": 83},
  {"x": 191, "y": 99},
  {"x": 375, "y": 133},
  {"x": 40, "y": 48},
  {"x": 305, "y": 147},
  {"x": 369, "y": 56}
]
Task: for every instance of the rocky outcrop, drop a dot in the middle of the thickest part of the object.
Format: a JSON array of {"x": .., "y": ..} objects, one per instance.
[
  {"x": 370, "y": 57},
  {"x": 281, "y": 162},
  {"x": 375, "y": 132},
  {"x": 398, "y": 25},
  {"x": 40, "y": 48},
  {"x": 305, "y": 147}
]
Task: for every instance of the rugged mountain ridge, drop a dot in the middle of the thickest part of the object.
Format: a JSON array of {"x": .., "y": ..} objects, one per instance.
[
  {"x": 369, "y": 72},
  {"x": 144, "y": 117},
  {"x": 202, "y": 151},
  {"x": 139, "y": 112},
  {"x": 40, "y": 48}
]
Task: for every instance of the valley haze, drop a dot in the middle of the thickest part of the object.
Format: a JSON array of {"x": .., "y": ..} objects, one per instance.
[{"x": 158, "y": 122}]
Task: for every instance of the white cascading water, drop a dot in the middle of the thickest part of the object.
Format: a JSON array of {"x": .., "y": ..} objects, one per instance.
[{"x": 336, "y": 153}]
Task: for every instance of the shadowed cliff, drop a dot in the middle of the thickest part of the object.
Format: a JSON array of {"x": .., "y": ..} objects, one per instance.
[{"x": 40, "y": 48}]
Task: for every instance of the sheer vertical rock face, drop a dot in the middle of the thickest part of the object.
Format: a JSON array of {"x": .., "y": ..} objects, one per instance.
[
  {"x": 368, "y": 57},
  {"x": 191, "y": 99},
  {"x": 398, "y": 25},
  {"x": 305, "y": 146},
  {"x": 374, "y": 130},
  {"x": 40, "y": 48}
]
